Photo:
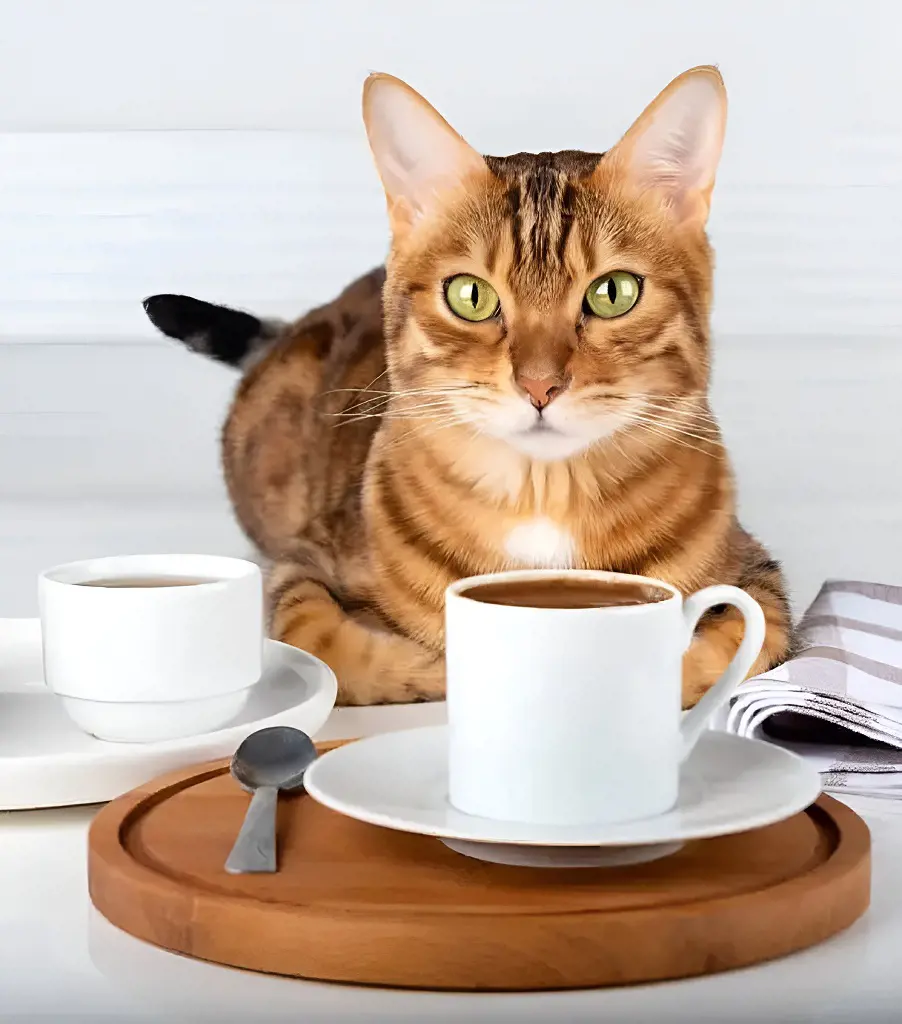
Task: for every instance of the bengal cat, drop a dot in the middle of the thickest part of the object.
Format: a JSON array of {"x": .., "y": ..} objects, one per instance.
[{"x": 524, "y": 384}]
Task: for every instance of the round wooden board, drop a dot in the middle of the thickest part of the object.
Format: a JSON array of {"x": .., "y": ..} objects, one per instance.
[{"x": 356, "y": 903}]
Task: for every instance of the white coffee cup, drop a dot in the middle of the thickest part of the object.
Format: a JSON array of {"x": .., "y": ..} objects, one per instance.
[
  {"x": 146, "y": 663},
  {"x": 572, "y": 716}
]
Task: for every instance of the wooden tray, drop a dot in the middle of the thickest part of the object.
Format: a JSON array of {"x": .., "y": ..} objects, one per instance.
[{"x": 357, "y": 903}]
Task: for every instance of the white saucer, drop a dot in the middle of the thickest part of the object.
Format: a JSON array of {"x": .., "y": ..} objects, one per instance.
[
  {"x": 47, "y": 761},
  {"x": 399, "y": 781}
]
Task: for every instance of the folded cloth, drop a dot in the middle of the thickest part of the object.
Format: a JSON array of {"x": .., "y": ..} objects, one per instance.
[{"x": 838, "y": 702}]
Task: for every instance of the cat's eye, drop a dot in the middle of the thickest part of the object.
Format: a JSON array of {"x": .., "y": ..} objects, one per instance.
[
  {"x": 612, "y": 295},
  {"x": 471, "y": 298}
]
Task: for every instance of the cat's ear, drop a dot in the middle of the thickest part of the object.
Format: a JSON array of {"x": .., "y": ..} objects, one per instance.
[
  {"x": 419, "y": 156},
  {"x": 674, "y": 148}
]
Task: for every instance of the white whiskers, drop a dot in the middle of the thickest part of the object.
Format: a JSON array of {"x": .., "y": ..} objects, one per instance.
[
  {"x": 382, "y": 399},
  {"x": 677, "y": 419},
  {"x": 670, "y": 417}
]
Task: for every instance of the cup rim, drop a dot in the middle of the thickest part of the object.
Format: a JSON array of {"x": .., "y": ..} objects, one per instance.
[
  {"x": 455, "y": 590},
  {"x": 220, "y": 568}
]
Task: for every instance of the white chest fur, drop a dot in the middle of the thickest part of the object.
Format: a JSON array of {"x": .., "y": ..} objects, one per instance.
[{"x": 540, "y": 543}]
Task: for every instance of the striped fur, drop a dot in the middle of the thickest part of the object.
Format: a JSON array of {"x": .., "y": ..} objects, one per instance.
[{"x": 372, "y": 450}]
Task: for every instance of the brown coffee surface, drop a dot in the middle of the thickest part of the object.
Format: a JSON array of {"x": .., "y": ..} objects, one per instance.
[
  {"x": 564, "y": 592},
  {"x": 143, "y": 582}
]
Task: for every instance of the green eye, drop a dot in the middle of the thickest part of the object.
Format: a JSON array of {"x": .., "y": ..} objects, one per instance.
[
  {"x": 471, "y": 298},
  {"x": 612, "y": 295}
]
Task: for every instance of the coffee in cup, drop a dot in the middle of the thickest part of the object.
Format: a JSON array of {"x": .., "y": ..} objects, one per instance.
[
  {"x": 564, "y": 592},
  {"x": 143, "y": 582}
]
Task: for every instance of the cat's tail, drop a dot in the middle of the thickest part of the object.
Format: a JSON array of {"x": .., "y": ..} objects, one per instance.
[
  {"x": 228, "y": 335},
  {"x": 372, "y": 664}
]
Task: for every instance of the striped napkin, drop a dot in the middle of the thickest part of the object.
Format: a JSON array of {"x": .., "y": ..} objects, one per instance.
[{"x": 838, "y": 702}]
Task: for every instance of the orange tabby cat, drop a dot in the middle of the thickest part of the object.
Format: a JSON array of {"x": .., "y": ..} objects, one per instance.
[{"x": 524, "y": 385}]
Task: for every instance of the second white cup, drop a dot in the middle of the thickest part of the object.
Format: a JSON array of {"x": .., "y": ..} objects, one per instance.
[{"x": 150, "y": 647}]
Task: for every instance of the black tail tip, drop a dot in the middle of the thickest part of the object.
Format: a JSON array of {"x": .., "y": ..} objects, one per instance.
[
  {"x": 218, "y": 331},
  {"x": 177, "y": 316}
]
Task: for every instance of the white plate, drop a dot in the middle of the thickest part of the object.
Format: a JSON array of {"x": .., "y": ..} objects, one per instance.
[
  {"x": 400, "y": 781},
  {"x": 46, "y": 761}
]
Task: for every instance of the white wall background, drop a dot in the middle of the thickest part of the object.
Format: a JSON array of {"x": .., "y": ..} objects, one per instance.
[{"x": 215, "y": 147}]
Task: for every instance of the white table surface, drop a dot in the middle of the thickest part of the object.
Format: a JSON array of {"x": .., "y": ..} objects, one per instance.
[{"x": 60, "y": 960}]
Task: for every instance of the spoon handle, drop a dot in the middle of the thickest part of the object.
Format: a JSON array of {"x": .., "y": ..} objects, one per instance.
[{"x": 255, "y": 848}]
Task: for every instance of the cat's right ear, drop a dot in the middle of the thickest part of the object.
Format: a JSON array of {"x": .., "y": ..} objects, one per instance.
[
  {"x": 419, "y": 156},
  {"x": 673, "y": 149},
  {"x": 227, "y": 335}
]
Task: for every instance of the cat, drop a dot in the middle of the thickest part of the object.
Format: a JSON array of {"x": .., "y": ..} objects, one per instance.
[{"x": 523, "y": 384}]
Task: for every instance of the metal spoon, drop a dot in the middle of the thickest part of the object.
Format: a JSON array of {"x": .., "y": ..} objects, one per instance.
[{"x": 266, "y": 761}]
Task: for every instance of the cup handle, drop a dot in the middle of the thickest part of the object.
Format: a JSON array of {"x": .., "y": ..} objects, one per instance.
[{"x": 694, "y": 607}]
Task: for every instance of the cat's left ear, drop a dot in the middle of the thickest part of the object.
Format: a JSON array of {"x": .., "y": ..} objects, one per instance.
[
  {"x": 419, "y": 156},
  {"x": 674, "y": 148}
]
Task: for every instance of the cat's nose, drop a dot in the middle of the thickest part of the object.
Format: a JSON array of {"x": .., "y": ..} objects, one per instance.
[{"x": 542, "y": 392}]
